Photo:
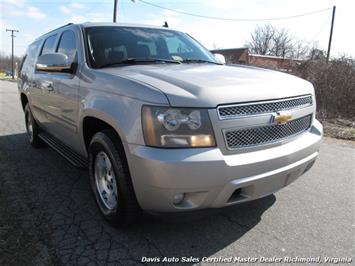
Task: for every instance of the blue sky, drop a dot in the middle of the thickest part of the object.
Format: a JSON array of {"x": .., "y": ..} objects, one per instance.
[{"x": 35, "y": 17}]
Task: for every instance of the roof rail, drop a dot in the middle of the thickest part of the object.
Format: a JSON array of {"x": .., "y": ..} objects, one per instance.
[
  {"x": 60, "y": 27},
  {"x": 55, "y": 29}
]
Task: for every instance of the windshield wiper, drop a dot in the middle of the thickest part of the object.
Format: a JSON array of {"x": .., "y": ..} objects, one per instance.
[
  {"x": 196, "y": 60},
  {"x": 129, "y": 61}
]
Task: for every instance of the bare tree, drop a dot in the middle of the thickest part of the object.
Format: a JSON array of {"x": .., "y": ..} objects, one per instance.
[
  {"x": 262, "y": 39},
  {"x": 301, "y": 50},
  {"x": 317, "y": 54},
  {"x": 268, "y": 40},
  {"x": 5, "y": 61},
  {"x": 282, "y": 44}
]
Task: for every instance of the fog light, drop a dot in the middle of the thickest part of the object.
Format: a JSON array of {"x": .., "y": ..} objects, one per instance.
[{"x": 178, "y": 198}]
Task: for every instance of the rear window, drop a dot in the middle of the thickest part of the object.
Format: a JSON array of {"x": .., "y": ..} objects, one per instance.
[{"x": 48, "y": 46}]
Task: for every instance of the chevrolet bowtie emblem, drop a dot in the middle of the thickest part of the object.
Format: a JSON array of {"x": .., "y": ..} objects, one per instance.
[{"x": 281, "y": 117}]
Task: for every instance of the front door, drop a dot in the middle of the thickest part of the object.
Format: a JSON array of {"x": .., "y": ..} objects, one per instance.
[
  {"x": 64, "y": 94},
  {"x": 60, "y": 94}
]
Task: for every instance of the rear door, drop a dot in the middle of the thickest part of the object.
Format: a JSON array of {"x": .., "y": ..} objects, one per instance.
[
  {"x": 26, "y": 81},
  {"x": 42, "y": 89}
]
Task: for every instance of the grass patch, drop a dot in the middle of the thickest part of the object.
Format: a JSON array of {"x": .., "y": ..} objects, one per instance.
[{"x": 8, "y": 78}]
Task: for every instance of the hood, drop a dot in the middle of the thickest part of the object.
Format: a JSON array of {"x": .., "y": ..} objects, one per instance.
[{"x": 207, "y": 85}]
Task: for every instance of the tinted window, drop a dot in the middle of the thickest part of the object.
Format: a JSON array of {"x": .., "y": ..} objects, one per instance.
[
  {"x": 67, "y": 45},
  {"x": 109, "y": 45},
  {"x": 48, "y": 46}
]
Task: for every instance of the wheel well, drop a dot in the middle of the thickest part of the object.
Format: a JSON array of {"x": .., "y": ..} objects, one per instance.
[
  {"x": 92, "y": 125},
  {"x": 24, "y": 100}
]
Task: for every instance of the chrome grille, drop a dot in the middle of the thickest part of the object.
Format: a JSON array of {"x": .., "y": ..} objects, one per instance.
[
  {"x": 236, "y": 110},
  {"x": 266, "y": 134}
]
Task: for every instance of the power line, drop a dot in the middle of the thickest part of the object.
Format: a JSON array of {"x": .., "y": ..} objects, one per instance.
[
  {"x": 232, "y": 19},
  {"x": 321, "y": 29}
]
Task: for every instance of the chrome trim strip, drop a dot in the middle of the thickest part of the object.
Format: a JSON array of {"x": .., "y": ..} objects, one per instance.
[{"x": 262, "y": 102}]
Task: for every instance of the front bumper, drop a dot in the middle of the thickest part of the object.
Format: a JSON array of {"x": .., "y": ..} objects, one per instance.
[{"x": 210, "y": 179}]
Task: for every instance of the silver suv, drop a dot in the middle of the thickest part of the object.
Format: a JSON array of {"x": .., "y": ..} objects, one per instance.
[{"x": 162, "y": 125}]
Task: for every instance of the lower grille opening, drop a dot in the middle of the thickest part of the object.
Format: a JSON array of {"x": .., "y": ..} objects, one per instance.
[{"x": 267, "y": 134}]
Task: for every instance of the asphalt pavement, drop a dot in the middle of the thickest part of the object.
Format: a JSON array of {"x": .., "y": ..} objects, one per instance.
[{"x": 49, "y": 211}]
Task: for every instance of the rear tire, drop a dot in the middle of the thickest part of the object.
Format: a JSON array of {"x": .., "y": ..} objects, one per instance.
[
  {"x": 32, "y": 129},
  {"x": 110, "y": 179}
]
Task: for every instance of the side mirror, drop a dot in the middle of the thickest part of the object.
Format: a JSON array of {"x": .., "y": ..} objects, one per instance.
[
  {"x": 54, "y": 62},
  {"x": 220, "y": 58}
]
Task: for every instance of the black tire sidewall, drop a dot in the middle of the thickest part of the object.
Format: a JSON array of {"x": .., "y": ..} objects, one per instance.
[
  {"x": 36, "y": 141},
  {"x": 121, "y": 214}
]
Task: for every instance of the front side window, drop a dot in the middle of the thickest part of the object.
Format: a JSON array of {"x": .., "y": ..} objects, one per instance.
[
  {"x": 107, "y": 45},
  {"x": 48, "y": 46},
  {"x": 67, "y": 45}
]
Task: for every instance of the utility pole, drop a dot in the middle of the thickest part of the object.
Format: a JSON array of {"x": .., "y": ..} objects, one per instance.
[
  {"x": 12, "y": 51},
  {"x": 115, "y": 11},
  {"x": 331, "y": 34}
]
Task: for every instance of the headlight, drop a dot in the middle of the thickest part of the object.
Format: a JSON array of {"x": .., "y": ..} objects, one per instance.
[{"x": 177, "y": 127}]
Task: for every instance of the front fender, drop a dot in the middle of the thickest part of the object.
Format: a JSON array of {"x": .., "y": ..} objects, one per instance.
[{"x": 122, "y": 113}]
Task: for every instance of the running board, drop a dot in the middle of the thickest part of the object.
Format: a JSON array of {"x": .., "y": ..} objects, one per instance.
[{"x": 73, "y": 157}]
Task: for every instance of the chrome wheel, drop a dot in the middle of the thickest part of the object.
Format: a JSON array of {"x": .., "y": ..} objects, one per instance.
[
  {"x": 105, "y": 181},
  {"x": 29, "y": 127}
]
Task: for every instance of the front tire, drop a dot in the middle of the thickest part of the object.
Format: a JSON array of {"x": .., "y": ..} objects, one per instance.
[
  {"x": 32, "y": 129},
  {"x": 110, "y": 179}
]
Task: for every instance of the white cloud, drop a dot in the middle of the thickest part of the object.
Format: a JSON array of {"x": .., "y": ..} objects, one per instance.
[
  {"x": 5, "y": 46},
  {"x": 78, "y": 19},
  {"x": 17, "y": 3},
  {"x": 99, "y": 17},
  {"x": 35, "y": 13},
  {"x": 71, "y": 7},
  {"x": 77, "y": 5},
  {"x": 65, "y": 9},
  {"x": 4, "y": 25},
  {"x": 18, "y": 11},
  {"x": 92, "y": 17}
]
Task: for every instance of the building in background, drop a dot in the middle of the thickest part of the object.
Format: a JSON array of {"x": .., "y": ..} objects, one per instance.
[
  {"x": 242, "y": 56},
  {"x": 234, "y": 55}
]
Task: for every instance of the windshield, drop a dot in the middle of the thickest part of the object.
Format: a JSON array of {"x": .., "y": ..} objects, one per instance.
[{"x": 108, "y": 45}]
